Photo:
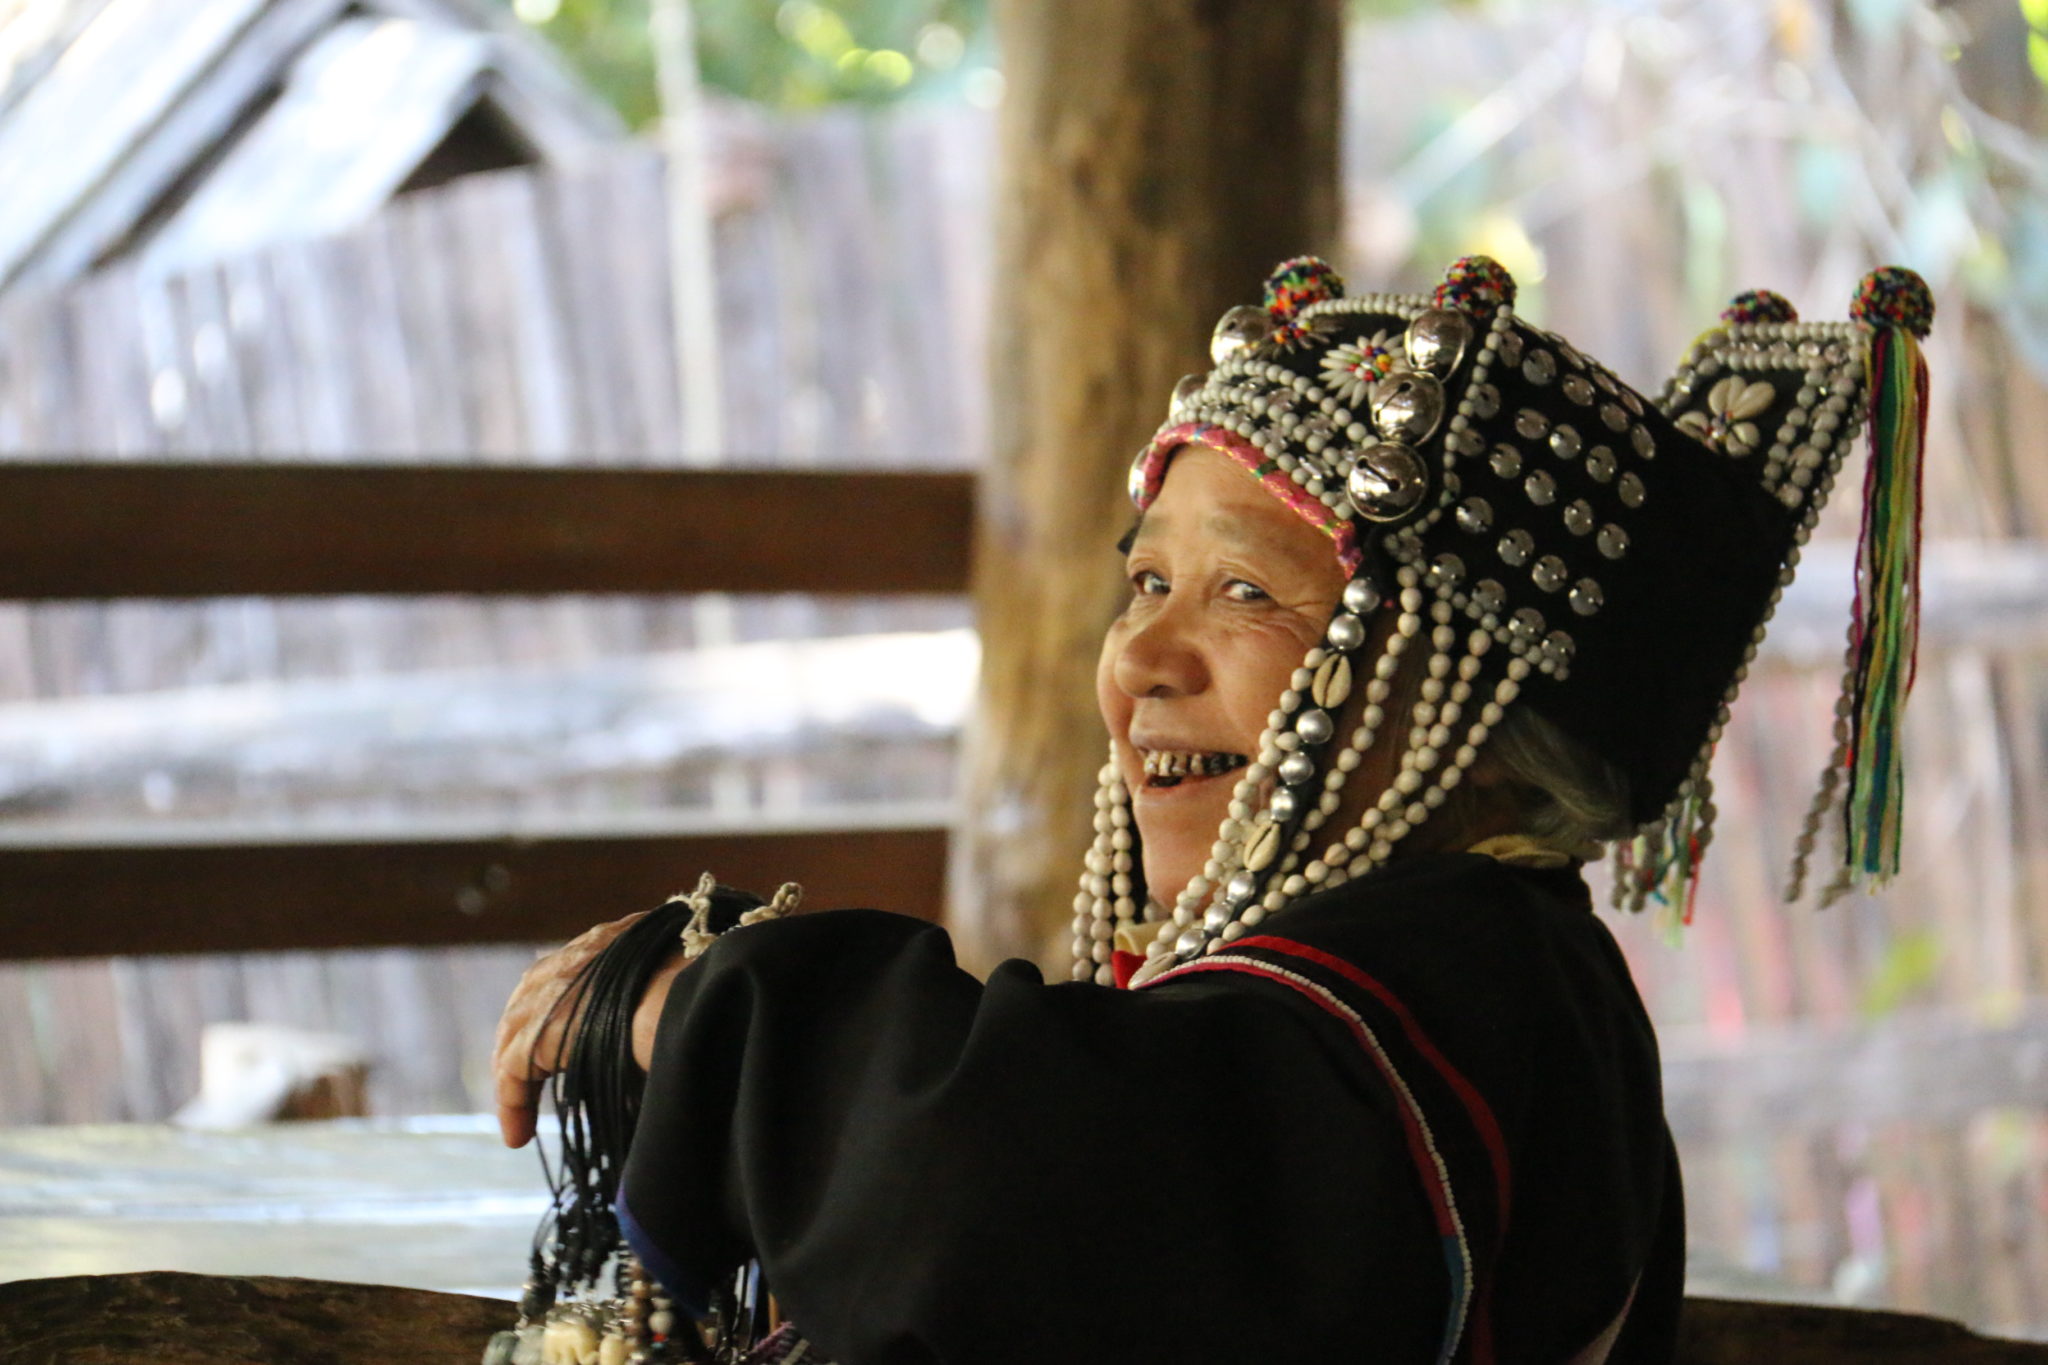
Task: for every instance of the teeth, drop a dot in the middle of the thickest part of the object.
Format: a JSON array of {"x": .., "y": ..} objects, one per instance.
[{"x": 1177, "y": 764}]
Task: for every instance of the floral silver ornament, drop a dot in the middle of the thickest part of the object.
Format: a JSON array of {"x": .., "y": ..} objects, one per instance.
[
  {"x": 1437, "y": 339},
  {"x": 1407, "y": 407},
  {"x": 1351, "y": 369},
  {"x": 1387, "y": 481},
  {"x": 1245, "y": 325}
]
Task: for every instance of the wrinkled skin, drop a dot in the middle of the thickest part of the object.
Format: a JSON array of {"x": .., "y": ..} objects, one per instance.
[
  {"x": 532, "y": 1035},
  {"x": 1229, "y": 589}
]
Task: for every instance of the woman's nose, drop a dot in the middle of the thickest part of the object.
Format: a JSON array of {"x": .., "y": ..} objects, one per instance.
[{"x": 1162, "y": 657}]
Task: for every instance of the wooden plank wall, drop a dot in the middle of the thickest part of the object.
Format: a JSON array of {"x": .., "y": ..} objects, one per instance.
[{"x": 517, "y": 319}]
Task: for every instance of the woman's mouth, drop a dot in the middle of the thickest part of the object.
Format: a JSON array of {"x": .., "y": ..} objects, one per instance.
[{"x": 1172, "y": 767}]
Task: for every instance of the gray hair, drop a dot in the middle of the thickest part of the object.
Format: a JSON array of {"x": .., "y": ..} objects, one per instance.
[{"x": 1568, "y": 794}]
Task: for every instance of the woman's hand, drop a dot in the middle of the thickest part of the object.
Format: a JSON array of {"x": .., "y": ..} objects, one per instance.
[{"x": 533, "y": 1036}]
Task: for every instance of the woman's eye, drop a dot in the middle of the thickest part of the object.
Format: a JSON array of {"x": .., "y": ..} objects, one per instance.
[
  {"x": 1240, "y": 591},
  {"x": 1145, "y": 583}
]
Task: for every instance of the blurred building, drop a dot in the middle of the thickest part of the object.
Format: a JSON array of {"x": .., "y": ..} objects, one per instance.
[{"x": 181, "y": 132}]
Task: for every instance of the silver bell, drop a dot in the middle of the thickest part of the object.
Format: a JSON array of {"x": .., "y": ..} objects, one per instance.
[
  {"x": 1245, "y": 325},
  {"x": 1184, "y": 393},
  {"x": 1387, "y": 482},
  {"x": 1437, "y": 339},
  {"x": 1407, "y": 406}
]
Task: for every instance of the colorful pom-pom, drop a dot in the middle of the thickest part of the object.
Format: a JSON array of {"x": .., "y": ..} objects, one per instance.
[
  {"x": 1893, "y": 296},
  {"x": 1296, "y": 284},
  {"x": 1759, "y": 305},
  {"x": 1475, "y": 284}
]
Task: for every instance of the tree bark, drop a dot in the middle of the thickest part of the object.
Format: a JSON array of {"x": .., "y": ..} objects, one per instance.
[{"x": 1159, "y": 157}]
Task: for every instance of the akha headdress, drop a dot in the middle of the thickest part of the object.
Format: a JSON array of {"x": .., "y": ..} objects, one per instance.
[{"x": 1550, "y": 538}]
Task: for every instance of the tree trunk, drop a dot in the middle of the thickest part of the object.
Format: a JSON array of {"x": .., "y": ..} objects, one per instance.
[{"x": 1159, "y": 157}]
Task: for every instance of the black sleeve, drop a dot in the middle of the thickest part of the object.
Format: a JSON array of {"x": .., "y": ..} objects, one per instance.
[{"x": 930, "y": 1169}]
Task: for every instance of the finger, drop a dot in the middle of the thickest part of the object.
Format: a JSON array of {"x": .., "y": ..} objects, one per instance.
[{"x": 518, "y": 1104}]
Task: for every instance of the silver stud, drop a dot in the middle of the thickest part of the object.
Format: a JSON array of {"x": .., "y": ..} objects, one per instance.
[
  {"x": 1516, "y": 547},
  {"x": 1315, "y": 726},
  {"x": 1559, "y": 647},
  {"x": 1407, "y": 407},
  {"x": 1489, "y": 595},
  {"x": 1244, "y": 884},
  {"x": 1600, "y": 464},
  {"x": 1549, "y": 573},
  {"x": 1578, "y": 517},
  {"x": 1446, "y": 571},
  {"x": 1645, "y": 446},
  {"x": 1189, "y": 942},
  {"x": 1475, "y": 515},
  {"x": 1284, "y": 806},
  {"x": 1586, "y": 597},
  {"x": 1387, "y": 481},
  {"x": 1540, "y": 367},
  {"x": 1184, "y": 392},
  {"x": 1531, "y": 425},
  {"x": 1484, "y": 399},
  {"x": 1361, "y": 595},
  {"x": 1510, "y": 347},
  {"x": 1564, "y": 442},
  {"x": 1346, "y": 633},
  {"x": 1297, "y": 768},
  {"x": 1612, "y": 540},
  {"x": 1527, "y": 625},
  {"x": 1630, "y": 490},
  {"x": 1506, "y": 461},
  {"x": 1541, "y": 488},
  {"x": 1245, "y": 325},
  {"x": 1577, "y": 388},
  {"x": 1216, "y": 917},
  {"x": 1436, "y": 340},
  {"x": 1614, "y": 417}
]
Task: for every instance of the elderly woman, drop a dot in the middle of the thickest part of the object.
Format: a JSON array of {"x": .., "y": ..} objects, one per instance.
[{"x": 1425, "y": 607}]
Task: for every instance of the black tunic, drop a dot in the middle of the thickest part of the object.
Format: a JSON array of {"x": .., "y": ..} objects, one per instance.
[{"x": 1415, "y": 1118}]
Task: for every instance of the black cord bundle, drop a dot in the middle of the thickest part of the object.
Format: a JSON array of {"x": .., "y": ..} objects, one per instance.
[{"x": 595, "y": 1086}]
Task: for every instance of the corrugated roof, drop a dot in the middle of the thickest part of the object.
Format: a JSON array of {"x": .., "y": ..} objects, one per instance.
[{"x": 194, "y": 129}]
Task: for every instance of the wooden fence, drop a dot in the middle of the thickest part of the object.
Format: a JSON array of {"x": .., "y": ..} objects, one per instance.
[{"x": 505, "y": 320}]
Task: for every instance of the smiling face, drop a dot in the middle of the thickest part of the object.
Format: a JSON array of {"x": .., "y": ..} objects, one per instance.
[{"x": 1229, "y": 589}]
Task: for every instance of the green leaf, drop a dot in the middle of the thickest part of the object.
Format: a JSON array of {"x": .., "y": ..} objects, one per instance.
[{"x": 2036, "y": 12}]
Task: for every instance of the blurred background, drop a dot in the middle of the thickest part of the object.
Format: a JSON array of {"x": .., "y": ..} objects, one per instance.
[{"x": 407, "y": 231}]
